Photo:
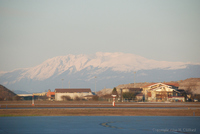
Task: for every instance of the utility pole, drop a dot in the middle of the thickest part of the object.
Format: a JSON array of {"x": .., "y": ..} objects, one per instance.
[
  {"x": 95, "y": 84},
  {"x": 134, "y": 79}
]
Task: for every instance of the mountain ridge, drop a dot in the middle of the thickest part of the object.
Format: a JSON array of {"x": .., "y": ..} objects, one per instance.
[
  {"x": 101, "y": 59},
  {"x": 113, "y": 67}
]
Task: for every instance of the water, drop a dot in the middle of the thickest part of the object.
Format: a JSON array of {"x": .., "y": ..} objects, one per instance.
[{"x": 99, "y": 124}]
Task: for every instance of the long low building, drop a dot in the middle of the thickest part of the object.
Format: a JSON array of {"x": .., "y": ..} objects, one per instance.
[{"x": 72, "y": 93}]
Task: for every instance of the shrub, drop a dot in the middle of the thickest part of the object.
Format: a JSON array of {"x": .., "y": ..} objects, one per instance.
[
  {"x": 95, "y": 98},
  {"x": 1, "y": 99},
  {"x": 68, "y": 98},
  {"x": 128, "y": 95},
  {"x": 77, "y": 98}
]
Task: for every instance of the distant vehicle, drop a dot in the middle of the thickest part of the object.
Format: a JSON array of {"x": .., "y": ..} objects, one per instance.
[{"x": 195, "y": 100}]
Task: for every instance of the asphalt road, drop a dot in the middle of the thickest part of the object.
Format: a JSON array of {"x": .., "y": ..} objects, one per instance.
[{"x": 103, "y": 106}]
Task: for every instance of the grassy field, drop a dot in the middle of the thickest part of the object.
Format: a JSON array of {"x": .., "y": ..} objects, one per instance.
[{"x": 53, "y": 108}]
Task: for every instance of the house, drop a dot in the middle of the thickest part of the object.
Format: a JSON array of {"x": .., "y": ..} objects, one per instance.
[
  {"x": 145, "y": 90},
  {"x": 160, "y": 91},
  {"x": 72, "y": 93},
  {"x": 50, "y": 95}
]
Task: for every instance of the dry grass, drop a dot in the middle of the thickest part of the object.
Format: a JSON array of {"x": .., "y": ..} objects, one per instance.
[{"x": 99, "y": 112}]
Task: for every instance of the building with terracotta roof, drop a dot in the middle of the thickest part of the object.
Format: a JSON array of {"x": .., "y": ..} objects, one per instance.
[
  {"x": 72, "y": 93},
  {"x": 50, "y": 95}
]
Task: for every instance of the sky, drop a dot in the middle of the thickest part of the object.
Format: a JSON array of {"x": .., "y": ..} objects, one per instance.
[{"x": 32, "y": 31}]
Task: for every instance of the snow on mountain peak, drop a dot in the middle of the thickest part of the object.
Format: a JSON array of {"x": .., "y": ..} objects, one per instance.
[{"x": 116, "y": 61}]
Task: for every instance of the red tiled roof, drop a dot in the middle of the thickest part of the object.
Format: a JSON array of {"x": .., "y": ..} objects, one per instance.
[
  {"x": 172, "y": 84},
  {"x": 149, "y": 85},
  {"x": 72, "y": 90},
  {"x": 51, "y": 93}
]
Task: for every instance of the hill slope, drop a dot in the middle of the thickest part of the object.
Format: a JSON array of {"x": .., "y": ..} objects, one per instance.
[
  {"x": 6, "y": 94},
  {"x": 192, "y": 84}
]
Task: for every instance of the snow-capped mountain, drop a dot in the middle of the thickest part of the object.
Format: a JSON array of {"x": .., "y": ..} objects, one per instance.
[{"x": 111, "y": 70}]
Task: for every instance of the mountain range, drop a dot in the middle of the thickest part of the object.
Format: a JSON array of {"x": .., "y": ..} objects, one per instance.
[{"x": 95, "y": 71}]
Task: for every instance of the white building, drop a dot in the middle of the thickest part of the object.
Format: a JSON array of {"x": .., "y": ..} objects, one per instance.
[{"x": 72, "y": 93}]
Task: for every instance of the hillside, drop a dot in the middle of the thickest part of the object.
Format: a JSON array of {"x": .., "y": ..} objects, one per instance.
[
  {"x": 104, "y": 91},
  {"x": 6, "y": 94},
  {"x": 192, "y": 84}
]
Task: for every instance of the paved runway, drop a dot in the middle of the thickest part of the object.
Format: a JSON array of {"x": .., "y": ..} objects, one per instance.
[{"x": 103, "y": 106}]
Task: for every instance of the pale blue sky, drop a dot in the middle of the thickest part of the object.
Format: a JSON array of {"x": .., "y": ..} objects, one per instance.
[{"x": 32, "y": 31}]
